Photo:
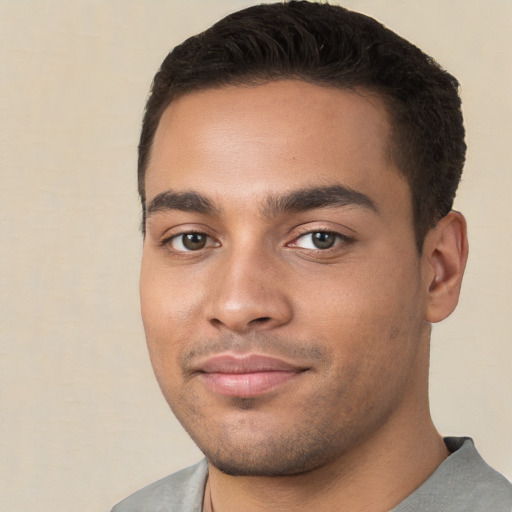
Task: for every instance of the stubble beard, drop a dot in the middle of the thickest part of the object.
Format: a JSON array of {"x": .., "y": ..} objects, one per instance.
[
  {"x": 330, "y": 423},
  {"x": 255, "y": 449},
  {"x": 293, "y": 455}
]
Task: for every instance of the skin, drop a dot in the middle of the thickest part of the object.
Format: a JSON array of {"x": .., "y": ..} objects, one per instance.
[{"x": 352, "y": 428}]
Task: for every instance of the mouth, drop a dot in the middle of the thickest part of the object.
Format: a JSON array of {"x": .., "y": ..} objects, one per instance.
[{"x": 247, "y": 375}]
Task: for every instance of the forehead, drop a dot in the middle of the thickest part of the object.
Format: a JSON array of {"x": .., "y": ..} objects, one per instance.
[{"x": 244, "y": 142}]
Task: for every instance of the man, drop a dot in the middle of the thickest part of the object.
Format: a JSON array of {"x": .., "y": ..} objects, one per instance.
[{"x": 297, "y": 168}]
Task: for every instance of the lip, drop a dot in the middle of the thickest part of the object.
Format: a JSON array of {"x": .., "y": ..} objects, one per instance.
[{"x": 247, "y": 375}]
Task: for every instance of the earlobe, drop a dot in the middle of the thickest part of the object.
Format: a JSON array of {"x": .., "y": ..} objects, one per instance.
[{"x": 445, "y": 255}]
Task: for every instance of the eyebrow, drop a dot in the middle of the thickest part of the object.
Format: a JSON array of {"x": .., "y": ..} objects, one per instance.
[
  {"x": 184, "y": 201},
  {"x": 316, "y": 197},
  {"x": 296, "y": 201}
]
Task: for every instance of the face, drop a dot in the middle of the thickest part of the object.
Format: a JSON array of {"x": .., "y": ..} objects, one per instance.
[{"x": 281, "y": 289}]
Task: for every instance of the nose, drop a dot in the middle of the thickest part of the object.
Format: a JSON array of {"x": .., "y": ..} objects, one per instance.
[{"x": 248, "y": 292}]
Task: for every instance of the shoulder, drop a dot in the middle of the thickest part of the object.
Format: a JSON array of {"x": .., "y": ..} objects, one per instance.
[
  {"x": 484, "y": 488},
  {"x": 464, "y": 482},
  {"x": 180, "y": 492}
]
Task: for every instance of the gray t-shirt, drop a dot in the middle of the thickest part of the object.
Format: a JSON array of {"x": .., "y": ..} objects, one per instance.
[{"x": 462, "y": 483}]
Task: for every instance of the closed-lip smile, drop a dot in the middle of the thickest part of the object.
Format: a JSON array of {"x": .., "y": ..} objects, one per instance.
[{"x": 245, "y": 375}]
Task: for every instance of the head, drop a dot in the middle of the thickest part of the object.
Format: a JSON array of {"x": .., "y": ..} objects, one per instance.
[
  {"x": 296, "y": 248},
  {"x": 329, "y": 46}
]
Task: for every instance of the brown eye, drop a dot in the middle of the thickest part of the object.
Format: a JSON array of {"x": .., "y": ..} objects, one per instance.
[
  {"x": 321, "y": 240},
  {"x": 189, "y": 242}
]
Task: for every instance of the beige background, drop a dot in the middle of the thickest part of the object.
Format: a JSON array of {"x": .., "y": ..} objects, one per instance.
[{"x": 83, "y": 423}]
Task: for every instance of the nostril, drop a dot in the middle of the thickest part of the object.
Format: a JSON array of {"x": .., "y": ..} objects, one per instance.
[{"x": 261, "y": 320}]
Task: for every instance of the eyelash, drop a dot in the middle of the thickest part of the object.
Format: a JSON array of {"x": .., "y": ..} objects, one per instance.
[
  {"x": 340, "y": 239},
  {"x": 168, "y": 242}
]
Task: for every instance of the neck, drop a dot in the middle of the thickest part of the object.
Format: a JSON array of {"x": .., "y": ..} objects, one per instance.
[{"x": 376, "y": 475}]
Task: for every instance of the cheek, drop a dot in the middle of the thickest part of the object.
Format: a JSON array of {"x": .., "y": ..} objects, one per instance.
[
  {"x": 371, "y": 308},
  {"x": 169, "y": 299},
  {"x": 169, "y": 311}
]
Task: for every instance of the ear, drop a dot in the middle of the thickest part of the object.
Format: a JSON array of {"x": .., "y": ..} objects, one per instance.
[{"x": 445, "y": 252}]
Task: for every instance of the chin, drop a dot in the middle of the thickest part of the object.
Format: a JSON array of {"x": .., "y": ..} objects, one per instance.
[
  {"x": 286, "y": 456},
  {"x": 273, "y": 468}
]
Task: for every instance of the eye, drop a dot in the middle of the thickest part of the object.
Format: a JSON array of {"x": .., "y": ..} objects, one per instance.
[
  {"x": 186, "y": 242},
  {"x": 318, "y": 240}
]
